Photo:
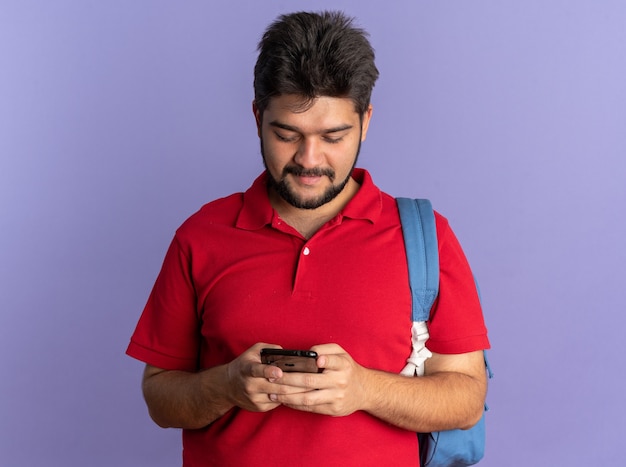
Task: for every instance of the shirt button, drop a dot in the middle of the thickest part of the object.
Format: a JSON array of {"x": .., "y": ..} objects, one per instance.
[{"x": 306, "y": 251}]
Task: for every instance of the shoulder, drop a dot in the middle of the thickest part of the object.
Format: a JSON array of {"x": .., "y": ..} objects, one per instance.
[
  {"x": 443, "y": 226},
  {"x": 390, "y": 206},
  {"x": 220, "y": 212}
]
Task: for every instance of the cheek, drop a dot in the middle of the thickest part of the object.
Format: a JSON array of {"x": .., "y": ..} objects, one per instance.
[
  {"x": 276, "y": 157},
  {"x": 343, "y": 157}
]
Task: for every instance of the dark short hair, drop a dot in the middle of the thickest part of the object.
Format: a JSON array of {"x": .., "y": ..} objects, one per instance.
[{"x": 314, "y": 55}]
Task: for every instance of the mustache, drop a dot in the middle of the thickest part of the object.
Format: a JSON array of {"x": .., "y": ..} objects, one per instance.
[{"x": 314, "y": 172}]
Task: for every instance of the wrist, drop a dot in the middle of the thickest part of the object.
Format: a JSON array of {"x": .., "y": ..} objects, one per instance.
[{"x": 215, "y": 387}]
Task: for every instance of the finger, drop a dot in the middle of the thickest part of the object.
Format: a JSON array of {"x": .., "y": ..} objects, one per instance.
[
  {"x": 281, "y": 392},
  {"x": 296, "y": 399},
  {"x": 272, "y": 373},
  {"x": 310, "y": 401},
  {"x": 326, "y": 349},
  {"x": 327, "y": 356},
  {"x": 259, "y": 371},
  {"x": 331, "y": 362},
  {"x": 304, "y": 381}
]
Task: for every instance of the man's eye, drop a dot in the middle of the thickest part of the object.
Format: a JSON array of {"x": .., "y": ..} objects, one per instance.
[
  {"x": 286, "y": 139},
  {"x": 330, "y": 140}
]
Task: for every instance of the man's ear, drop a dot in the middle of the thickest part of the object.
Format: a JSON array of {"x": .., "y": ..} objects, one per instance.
[
  {"x": 257, "y": 117},
  {"x": 367, "y": 116}
]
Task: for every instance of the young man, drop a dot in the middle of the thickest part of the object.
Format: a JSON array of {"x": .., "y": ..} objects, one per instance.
[{"x": 311, "y": 256}]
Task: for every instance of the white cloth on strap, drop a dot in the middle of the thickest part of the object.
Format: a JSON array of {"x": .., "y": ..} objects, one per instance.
[{"x": 419, "y": 353}]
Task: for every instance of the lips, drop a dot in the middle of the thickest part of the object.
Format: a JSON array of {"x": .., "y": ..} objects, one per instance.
[
  {"x": 309, "y": 176},
  {"x": 308, "y": 180}
]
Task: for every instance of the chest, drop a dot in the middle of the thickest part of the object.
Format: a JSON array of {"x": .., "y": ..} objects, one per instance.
[{"x": 346, "y": 285}]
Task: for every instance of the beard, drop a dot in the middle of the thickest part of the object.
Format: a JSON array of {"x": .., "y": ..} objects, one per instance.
[{"x": 285, "y": 191}]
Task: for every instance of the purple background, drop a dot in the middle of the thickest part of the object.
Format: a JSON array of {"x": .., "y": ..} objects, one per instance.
[{"x": 118, "y": 119}]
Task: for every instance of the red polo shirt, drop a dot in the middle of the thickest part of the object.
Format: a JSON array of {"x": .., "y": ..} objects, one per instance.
[{"x": 237, "y": 274}]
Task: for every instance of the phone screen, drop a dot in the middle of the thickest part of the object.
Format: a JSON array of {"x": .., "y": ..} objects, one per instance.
[{"x": 290, "y": 361}]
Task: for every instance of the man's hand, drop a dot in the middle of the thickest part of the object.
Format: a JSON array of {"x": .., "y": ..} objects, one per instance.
[
  {"x": 250, "y": 382},
  {"x": 450, "y": 395},
  {"x": 193, "y": 400},
  {"x": 338, "y": 391}
]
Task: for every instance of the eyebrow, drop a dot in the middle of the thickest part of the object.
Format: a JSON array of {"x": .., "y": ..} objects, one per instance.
[{"x": 336, "y": 129}]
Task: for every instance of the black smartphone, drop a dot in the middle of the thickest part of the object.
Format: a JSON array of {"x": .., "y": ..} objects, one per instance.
[{"x": 290, "y": 361}]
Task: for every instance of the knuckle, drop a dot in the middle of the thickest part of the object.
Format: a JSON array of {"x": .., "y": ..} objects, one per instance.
[
  {"x": 309, "y": 381},
  {"x": 248, "y": 389},
  {"x": 335, "y": 411},
  {"x": 307, "y": 401},
  {"x": 342, "y": 383}
]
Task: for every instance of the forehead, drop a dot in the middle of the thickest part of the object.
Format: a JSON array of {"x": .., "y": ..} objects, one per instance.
[{"x": 322, "y": 111}]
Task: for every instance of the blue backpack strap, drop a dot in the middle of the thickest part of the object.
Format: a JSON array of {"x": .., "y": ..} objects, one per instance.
[
  {"x": 420, "y": 239},
  {"x": 442, "y": 448}
]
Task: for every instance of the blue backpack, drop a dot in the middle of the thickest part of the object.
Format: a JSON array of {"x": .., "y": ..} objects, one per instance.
[{"x": 453, "y": 448}]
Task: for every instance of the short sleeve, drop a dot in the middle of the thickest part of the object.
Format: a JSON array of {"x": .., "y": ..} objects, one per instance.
[
  {"x": 167, "y": 335},
  {"x": 456, "y": 321}
]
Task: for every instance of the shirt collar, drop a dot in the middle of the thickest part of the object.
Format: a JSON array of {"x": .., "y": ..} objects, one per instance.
[
  {"x": 367, "y": 204},
  {"x": 257, "y": 212}
]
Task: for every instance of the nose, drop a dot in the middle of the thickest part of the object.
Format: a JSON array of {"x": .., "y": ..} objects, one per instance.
[{"x": 309, "y": 153}]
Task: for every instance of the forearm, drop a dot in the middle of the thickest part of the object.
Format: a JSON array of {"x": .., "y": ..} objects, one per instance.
[
  {"x": 450, "y": 395},
  {"x": 441, "y": 401},
  {"x": 178, "y": 399}
]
